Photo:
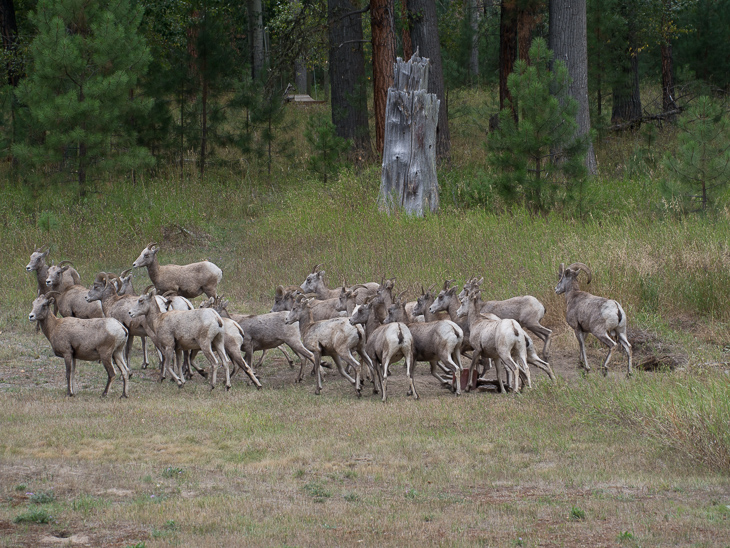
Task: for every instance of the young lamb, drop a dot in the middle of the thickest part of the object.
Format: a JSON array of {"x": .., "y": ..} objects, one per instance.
[{"x": 74, "y": 339}]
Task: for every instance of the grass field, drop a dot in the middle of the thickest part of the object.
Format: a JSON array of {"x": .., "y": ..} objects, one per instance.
[{"x": 587, "y": 461}]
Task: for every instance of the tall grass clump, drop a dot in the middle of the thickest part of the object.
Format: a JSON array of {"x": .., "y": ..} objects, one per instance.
[{"x": 686, "y": 413}]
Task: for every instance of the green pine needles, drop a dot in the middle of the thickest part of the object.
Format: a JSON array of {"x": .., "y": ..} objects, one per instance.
[
  {"x": 700, "y": 167},
  {"x": 327, "y": 147},
  {"x": 538, "y": 158},
  {"x": 85, "y": 63}
]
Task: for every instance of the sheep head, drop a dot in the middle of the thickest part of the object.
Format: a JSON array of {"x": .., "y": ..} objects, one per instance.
[
  {"x": 147, "y": 257},
  {"x": 38, "y": 258}
]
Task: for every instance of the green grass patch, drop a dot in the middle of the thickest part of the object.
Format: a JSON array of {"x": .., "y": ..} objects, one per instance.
[{"x": 35, "y": 515}]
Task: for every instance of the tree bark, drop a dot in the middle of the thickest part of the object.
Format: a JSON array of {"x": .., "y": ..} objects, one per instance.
[
  {"x": 474, "y": 17},
  {"x": 347, "y": 75},
  {"x": 626, "y": 94},
  {"x": 507, "y": 51},
  {"x": 382, "y": 25},
  {"x": 9, "y": 31},
  {"x": 409, "y": 158},
  {"x": 568, "y": 39},
  {"x": 256, "y": 34},
  {"x": 300, "y": 76},
  {"x": 425, "y": 38},
  {"x": 406, "y": 33},
  {"x": 668, "y": 103}
]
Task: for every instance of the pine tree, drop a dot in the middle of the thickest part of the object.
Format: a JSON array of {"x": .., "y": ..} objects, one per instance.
[
  {"x": 85, "y": 62},
  {"x": 524, "y": 151},
  {"x": 327, "y": 147},
  {"x": 701, "y": 162}
]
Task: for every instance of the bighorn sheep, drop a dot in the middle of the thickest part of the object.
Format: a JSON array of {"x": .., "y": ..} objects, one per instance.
[
  {"x": 265, "y": 331},
  {"x": 72, "y": 303},
  {"x": 588, "y": 313},
  {"x": 188, "y": 280},
  {"x": 83, "y": 339},
  {"x": 321, "y": 309},
  {"x": 234, "y": 337},
  {"x": 386, "y": 343},
  {"x": 315, "y": 284},
  {"x": 496, "y": 339},
  {"x": 433, "y": 341},
  {"x": 336, "y": 338},
  {"x": 527, "y": 310},
  {"x": 178, "y": 330},
  {"x": 38, "y": 264},
  {"x": 117, "y": 306}
]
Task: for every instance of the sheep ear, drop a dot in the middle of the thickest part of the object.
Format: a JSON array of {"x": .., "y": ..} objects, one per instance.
[{"x": 320, "y": 273}]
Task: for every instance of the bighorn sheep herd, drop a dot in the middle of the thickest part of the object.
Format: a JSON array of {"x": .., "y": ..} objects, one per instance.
[{"x": 364, "y": 328}]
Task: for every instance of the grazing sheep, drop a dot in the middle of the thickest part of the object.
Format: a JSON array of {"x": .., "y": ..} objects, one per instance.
[
  {"x": 188, "y": 280},
  {"x": 74, "y": 339},
  {"x": 588, "y": 313}
]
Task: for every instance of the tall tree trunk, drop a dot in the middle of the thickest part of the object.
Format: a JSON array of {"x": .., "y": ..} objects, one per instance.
[
  {"x": 474, "y": 17},
  {"x": 568, "y": 38},
  {"x": 204, "y": 124},
  {"x": 507, "y": 51},
  {"x": 425, "y": 37},
  {"x": 256, "y": 34},
  {"x": 300, "y": 76},
  {"x": 9, "y": 31},
  {"x": 527, "y": 19},
  {"x": 668, "y": 103},
  {"x": 626, "y": 94},
  {"x": 382, "y": 23},
  {"x": 347, "y": 74},
  {"x": 406, "y": 33}
]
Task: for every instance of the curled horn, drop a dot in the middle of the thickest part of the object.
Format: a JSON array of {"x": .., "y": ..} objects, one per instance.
[
  {"x": 170, "y": 293},
  {"x": 314, "y": 270},
  {"x": 43, "y": 249},
  {"x": 561, "y": 271},
  {"x": 148, "y": 288},
  {"x": 125, "y": 273},
  {"x": 447, "y": 283},
  {"x": 151, "y": 245},
  {"x": 64, "y": 263},
  {"x": 422, "y": 291},
  {"x": 101, "y": 277},
  {"x": 53, "y": 295},
  {"x": 584, "y": 268},
  {"x": 399, "y": 297}
]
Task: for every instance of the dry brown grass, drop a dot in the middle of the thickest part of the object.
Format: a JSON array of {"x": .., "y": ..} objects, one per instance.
[{"x": 283, "y": 467}]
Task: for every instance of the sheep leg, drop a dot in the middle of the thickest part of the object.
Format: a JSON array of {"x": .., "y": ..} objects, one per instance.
[
  {"x": 169, "y": 361},
  {"x": 435, "y": 365},
  {"x": 128, "y": 347},
  {"x": 208, "y": 353},
  {"x": 608, "y": 341},
  {"x": 317, "y": 358},
  {"x": 243, "y": 365},
  {"x": 627, "y": 348},
  {"x": 286, "y": 355},
  {"x": 542, "y": 333},
  {"x": 521, "y": 363},
  {"x": 119, "y": 360},
  {"x": 501, "y": 372},
  {"x": 410, "y": 371},
  {"x": 143, "y": 339},
  {"x": 106, "y": 361},
  {"x": 384, "y": 382},
  {"x": 581, "y": 336},
  {"x": 220, "y": 351},
  {"x": 70, "y": 366},
  {"x": 474, "y": 359},
  {"x": 341, "y": 369}
]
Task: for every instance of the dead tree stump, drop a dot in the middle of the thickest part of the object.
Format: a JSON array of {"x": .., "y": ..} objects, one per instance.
[{"x": 409, "y": 179}]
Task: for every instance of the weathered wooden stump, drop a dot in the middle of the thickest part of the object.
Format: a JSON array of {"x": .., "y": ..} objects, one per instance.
[{"x": 409, "y": 179}]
